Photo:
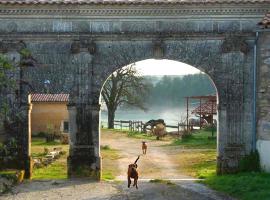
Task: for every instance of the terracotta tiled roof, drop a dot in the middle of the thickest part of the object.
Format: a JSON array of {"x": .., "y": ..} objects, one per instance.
[
  {"x": 206, "y": 108},
  {"x": 265, "y": 23},
  {"x": 49, "y": 97},
  {"x": 127, "y": 1}
]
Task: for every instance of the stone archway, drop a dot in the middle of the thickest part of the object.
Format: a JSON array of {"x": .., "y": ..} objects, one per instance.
[
  {"x": 80, "y": 51},
  {"x": 220, "y": 65}
]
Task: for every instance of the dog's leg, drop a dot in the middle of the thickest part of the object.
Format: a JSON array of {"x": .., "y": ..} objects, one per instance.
[
  {"x": 129, "y": 182},
  {"x": 136, "y": 182}
]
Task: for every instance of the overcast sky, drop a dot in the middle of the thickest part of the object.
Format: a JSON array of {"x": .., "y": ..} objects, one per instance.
[{"x": 164, "y": 67}]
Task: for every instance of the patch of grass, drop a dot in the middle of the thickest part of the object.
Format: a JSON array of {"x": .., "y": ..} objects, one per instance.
[
  {"x": 8, "y": 172},
  {"x": 139, "y": 135},
  {"x": 37, "y": 141},
  {"x": 167, "y": 182},
  {"x": 107, "y": 175},
  {"x": 132, "y": 134},
  {"x": 109, "y": 162},
  {"x": 244, "y": 186},
  {"x": 105, "y": 147},
  {"x": 196, "y": 162},
  {"x": 111, "y": 154},
  {"x": 57, "y": 170},
  {"x": 198, "y": 140}
]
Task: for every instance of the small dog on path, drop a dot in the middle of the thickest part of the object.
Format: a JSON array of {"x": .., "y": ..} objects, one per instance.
[
  {"x": 144, "y": 147},
  {"x": 133, "y": 173}
]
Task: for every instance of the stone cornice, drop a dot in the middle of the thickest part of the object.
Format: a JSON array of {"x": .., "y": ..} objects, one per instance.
[{"x": 107, "y": 11}]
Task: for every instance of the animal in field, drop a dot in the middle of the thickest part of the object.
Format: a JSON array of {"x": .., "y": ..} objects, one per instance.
[
  {"x": 153, "y": 123},
  {"x": 133, "y": 173},
  {"x": 144, "y": 147},
  {"x": 159, "y": 130}
]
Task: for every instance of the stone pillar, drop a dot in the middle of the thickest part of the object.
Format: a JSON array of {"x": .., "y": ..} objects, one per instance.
[
  {"x": 231, "y": 139},
  {"x": 24, "y": 136},
  {"x": 84, "y": 156}
]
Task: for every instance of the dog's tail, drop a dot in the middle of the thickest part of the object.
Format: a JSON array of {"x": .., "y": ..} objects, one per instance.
[{"x": 136, "y": 160}]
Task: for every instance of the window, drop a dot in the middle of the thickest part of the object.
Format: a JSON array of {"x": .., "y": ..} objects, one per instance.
[{"x": 66, "y": 126}]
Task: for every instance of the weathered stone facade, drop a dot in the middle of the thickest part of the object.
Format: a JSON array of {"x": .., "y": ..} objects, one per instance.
[
  {"x": 263, "y": 98},
  {"x": 78, "y": 47}
]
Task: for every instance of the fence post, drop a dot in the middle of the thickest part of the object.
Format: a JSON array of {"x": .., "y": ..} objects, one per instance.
[
  {"x": 121, "y": 125},
  {"x": 178, "y": 127}
]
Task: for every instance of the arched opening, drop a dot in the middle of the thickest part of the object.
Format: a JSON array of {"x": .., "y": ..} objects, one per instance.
[
  {"x": 49, "y": 135},
  {"x": 191, "y": 126}
]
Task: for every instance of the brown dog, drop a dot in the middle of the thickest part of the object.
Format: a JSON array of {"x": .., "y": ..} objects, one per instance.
[
  {"x": 133, "y": 173},
  {"x": 144, "y": 147}
]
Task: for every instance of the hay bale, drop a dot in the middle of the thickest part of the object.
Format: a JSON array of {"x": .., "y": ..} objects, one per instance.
[{"x": 159, "y": 130}]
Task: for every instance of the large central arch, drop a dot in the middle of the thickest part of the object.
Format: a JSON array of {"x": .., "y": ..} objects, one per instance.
[{"x": 78, "y": 47}]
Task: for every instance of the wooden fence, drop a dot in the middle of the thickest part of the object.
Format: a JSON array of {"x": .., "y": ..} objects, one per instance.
[{"x": 139, "y": 125}]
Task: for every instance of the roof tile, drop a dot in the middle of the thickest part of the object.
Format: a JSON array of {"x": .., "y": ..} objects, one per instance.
[
  {"x": 127, "y": 1},
  {"x": 49, "y": 97},
  {"x": 265, "y": 23}
]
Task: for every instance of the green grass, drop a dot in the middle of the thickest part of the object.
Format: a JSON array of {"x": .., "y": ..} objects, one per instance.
[
  {"x": 109, "y": 157},
  {"x": 244, "y": 186},
  {"x": 107, "y": 175},
  {"x": 57, "y": 170},
  {"x": 198, "y": 140},
  {"x": 139, "y": 135},
  {"x": 36, "y": 141}
]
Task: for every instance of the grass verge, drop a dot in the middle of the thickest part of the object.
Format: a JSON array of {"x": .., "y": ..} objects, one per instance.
[
  {"x": 58, "y": 169},
  {"x": 133, "y": 134},
  {"x": 198, "y": 140},
  {"x": 110, "y": 165},
  {"x": 244, "y": 186}
]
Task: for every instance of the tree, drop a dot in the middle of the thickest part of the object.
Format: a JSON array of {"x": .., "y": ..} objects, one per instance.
[
  {"x": 124, "y": 86},
  {"x": 7, "y": 84}
]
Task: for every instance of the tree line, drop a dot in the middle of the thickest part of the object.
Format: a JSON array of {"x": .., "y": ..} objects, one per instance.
[{"x": 171, "y": 90}]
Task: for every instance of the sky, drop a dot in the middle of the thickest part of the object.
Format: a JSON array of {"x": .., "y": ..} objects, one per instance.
[{"x": 164, "y": 67}]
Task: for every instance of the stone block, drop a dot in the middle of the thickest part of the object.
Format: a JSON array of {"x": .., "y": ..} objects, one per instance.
[{"x": 228, "y": 26}]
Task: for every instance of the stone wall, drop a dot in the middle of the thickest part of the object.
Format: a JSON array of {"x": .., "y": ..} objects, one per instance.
[
  {"x": 78, "y": 52},
  {"x": 263, "y": 99}
]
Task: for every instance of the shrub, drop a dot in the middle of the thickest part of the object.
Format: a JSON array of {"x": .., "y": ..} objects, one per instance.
[
  {"x": 41, "y": 134},
  {"x": 186, "y": 135},
  {"x": 49, "y": 137},
  {"x": 8, "y": 153}
]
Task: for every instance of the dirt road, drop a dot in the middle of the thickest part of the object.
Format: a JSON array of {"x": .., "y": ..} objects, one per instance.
[{"x": 155, "y": 164}]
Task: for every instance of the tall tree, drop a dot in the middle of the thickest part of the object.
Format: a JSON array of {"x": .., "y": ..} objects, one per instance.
[{"x": 124, "y": 86}]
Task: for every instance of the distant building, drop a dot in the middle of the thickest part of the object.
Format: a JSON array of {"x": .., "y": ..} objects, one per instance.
[{"x": 49, "y": 113}]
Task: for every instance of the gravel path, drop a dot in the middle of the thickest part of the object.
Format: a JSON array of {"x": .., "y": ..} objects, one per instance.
[
  {"x": 84, "y": 190},
  {"x": 155, "y": 164}
]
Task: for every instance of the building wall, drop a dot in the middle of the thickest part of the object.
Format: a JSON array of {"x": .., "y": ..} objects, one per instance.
[
  {"x": 78, "y": 47},
  {"x": 263, "y": 100},
  {"x": 48, "y": 117}
]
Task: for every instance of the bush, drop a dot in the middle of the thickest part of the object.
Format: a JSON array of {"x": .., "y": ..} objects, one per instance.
[
  {"x": 8, "y": 153},
  {"x": 186, "y": 135},
  {"x": 41, "y": 134},
  {"x": 50, "y": 137},
  {"x": 250, "y": 162}
]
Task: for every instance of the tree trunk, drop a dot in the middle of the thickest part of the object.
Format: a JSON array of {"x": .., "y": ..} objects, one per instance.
[{"x": 111, "y": 115}]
